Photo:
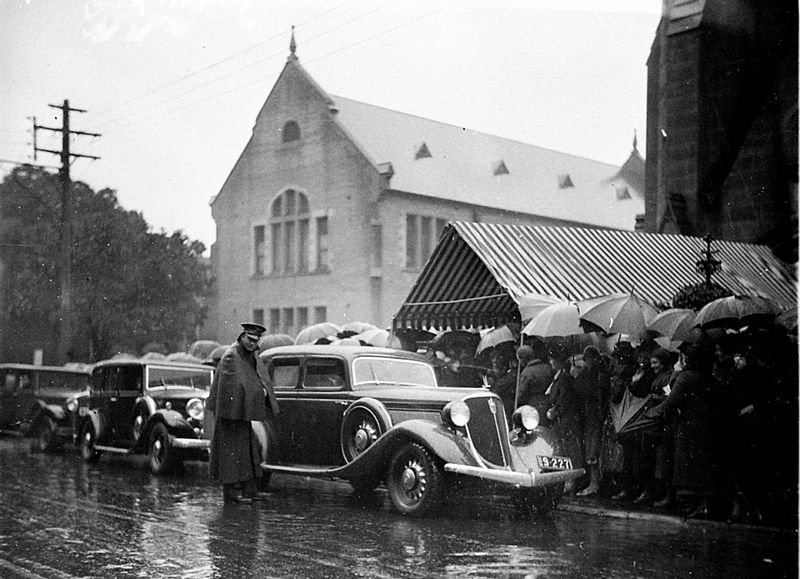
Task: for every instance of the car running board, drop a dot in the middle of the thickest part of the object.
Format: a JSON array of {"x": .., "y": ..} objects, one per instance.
[{"x": 113, "y": 449}]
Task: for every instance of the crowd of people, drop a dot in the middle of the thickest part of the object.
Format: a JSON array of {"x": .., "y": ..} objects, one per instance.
[{"x": 707, "y": 432}]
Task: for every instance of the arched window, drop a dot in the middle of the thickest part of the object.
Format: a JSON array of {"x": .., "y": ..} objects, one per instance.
[
  {"x": 289, "y": 224},
  {"x": 291, "y": 132}
]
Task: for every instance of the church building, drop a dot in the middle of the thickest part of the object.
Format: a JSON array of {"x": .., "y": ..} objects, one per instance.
[{"x": 334, "y": 206}]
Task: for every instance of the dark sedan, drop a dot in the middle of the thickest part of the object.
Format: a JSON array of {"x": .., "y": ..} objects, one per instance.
[{"x": 373, "y": 416}]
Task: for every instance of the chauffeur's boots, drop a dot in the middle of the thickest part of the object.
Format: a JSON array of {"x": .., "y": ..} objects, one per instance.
[{"x": 232, "y": 495}]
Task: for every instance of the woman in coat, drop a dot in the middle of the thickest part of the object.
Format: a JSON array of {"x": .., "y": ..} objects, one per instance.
[
  {"x": 591, "y": 386},
  {"x": 691, "y": 402},
  {"x": 564, "y": 411}
]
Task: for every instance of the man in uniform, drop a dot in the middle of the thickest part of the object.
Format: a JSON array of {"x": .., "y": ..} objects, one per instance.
[{"x": 240, "y": 393}]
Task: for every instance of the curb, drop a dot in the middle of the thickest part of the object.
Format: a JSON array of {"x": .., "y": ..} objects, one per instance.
[{"x": 669, "y": 519}]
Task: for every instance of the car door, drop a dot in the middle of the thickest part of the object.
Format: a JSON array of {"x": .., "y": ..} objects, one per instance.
[
  {"x": 17, "y": 399},
  {"x": 100, "y": 401},
  {"x": 285, "y": 374},
  {"x": 325, "y": 396},
  {"x": 128, "y": 386}
]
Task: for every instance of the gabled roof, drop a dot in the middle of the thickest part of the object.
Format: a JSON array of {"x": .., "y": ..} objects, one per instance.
[
  {"x": 462, "y": 167},
  {"x": 478, "y": 271}
]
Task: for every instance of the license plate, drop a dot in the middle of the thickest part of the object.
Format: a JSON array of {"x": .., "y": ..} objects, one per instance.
[{"x": 554, "y": 462}]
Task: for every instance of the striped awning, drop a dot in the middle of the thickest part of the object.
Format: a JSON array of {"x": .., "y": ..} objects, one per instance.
[{"x": 478, "y": 271}]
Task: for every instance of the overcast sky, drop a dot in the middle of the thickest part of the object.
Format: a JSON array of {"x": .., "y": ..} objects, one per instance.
[{"x": 174, "y": 86}]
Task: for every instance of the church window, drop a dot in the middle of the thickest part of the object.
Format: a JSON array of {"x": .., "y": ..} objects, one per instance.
[
  {"x": 289, "y": 229},
  {"x": 422, "y": 233},
  {"x": 322, "y": 244},
  {"x": 259, "y": 244},
  {"x": 290, "y": 132}
]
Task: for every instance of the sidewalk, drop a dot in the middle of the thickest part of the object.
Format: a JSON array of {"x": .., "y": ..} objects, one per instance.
[{"x": 606, "y": 507}]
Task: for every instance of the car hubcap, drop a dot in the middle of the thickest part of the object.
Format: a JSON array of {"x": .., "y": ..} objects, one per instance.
[
  {"x": 412, "y": 480},
  {"x": 157, "y": 447},
  {"x": 137, "y": 427}
]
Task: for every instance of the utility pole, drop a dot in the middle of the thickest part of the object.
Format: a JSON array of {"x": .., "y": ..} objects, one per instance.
[{"x": 66, "y": 241}]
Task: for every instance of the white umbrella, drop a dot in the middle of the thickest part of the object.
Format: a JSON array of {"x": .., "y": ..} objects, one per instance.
[
  {"x": 495, "y": 337},
  {"x": 736, "y": 311},
  {"x": 676, "y": 324},
  {"x": 531, "y": 304},
  {"x": 618, "y": 313},
  {"x": 556, "y": 320}
]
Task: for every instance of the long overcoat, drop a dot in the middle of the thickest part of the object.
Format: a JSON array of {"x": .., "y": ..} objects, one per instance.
[
  {"x": 692, "y": 403},
  {"x": 565, "y": 407},
  {"x": 240, "y": 393}
]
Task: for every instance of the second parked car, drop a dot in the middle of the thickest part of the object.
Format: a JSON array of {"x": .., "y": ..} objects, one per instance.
[{"x": 146, "y": 406}]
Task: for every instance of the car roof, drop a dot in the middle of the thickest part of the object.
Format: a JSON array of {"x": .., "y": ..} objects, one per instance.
[
  {"x": 348, "y": 352},
  {"x": 142, "y": 362},
  {"x": 72, "y": 370}
]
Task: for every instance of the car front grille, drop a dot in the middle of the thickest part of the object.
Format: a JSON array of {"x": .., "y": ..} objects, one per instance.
[{"x": 487, "y": 429}]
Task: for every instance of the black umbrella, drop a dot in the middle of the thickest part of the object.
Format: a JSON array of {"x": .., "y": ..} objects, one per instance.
[{"x": 630, "y": 414}]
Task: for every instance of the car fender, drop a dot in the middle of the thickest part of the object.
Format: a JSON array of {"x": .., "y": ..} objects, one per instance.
[
  {"x": 92, "y": 417},
  {"x": 445, "y": 444},
  {"x": 53, "y": 411},
  {"x": 172, "y": 419}
]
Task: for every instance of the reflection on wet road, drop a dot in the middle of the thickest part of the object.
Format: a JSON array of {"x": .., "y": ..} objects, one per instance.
[{"x": 60, "y": 517}]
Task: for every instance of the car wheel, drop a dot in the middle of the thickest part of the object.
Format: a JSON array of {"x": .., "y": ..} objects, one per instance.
[
  {"x": 161, "y": 456},
  {"x": 44, "y": 435},
  {"x": 414, "y": 480},
  {"x": 87, "y": 444},
  {"x": 360, "y": 429}
]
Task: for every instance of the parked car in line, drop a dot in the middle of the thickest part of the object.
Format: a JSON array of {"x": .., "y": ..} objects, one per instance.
[
  {"x": 146, "y": 406},
  {"x": 42, "y": 402},
  {"x": 377, "y": 416}
]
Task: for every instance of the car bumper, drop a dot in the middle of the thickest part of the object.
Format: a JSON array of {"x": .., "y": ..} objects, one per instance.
[
  {"x": 517, "y": 479},
  {"x": 190, "y": 443}
]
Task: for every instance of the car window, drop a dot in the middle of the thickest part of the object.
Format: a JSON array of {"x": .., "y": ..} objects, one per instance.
[
  {"x": 166, "y": 377},
  {"x": 10, "y": 383},
  {"x": 324, "y": 374},
  {"x": 391, "y": 372},
  {"x": 61, "y": 381},
  {"x": 285, "y": 373}
]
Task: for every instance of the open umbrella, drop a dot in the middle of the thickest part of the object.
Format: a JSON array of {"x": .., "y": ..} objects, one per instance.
[
  {"x": 737, "y": 311},
  {"x": 531, "y": 304},
  {"x": 358, "y": 327},
  {"x": 676, "y": 324},
  {"x": 312, "y": 333},
  {"x": 630, "y": 414},
  {"x": 268, "y": 341},
  {"x": 788, "y": 319},
  {"x": 495, "y": 337},
  {"x": 379, "y": 338},
  {"x": 556, "y": 320},
  {"x": 618, "y": 313},
  {"x": 202, "y": 348}
]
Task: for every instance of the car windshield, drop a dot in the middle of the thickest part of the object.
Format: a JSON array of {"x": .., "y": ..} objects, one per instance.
[
  {"x": 392, "y": 372},
  {"x": 162, "y": 376},
  {"x": 63, "y": 382}
]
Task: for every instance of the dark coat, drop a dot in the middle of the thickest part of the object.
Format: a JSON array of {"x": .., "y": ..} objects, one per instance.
[
  {"x": 565, "y": 411},
  {"x": 691, "y": 403},
  {"x": 533, "y": 382},
  {"x": 505, "y": 387},
  {"x": 592, "y": 388},
  {"x": 239, "y": 394}
]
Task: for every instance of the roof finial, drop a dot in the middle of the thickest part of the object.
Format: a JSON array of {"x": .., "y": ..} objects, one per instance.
[
  {"x": 635, "y": 140},
  {"x": 292, "y": 46}
]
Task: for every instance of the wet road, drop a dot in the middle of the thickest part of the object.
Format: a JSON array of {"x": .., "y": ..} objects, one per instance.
[{"x": 60, "y": 517}]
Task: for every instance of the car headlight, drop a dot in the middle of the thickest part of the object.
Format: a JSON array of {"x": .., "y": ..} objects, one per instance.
[
  {"x": 194, "y": 408},
  {"x": 71, "y": 405},
  {"x": 456, "y": 413},
  {"x": 525, "y": 417}
]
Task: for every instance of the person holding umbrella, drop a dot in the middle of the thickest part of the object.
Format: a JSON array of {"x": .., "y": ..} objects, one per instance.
[
  {"x": 591, "y": 386},
  {"x": 564, "y": 410}
]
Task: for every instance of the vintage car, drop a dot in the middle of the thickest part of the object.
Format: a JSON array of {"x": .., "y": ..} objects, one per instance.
[
  {"x": 373, "y": 415},
  {"x": 146, "y": 406},
  {"x": 42, "y": 402}
]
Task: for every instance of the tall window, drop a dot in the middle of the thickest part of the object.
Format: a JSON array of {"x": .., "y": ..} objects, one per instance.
[
  {"x": 422, "y": 233},
  {"x": 287, "y": 323},
  {"x": 259, "y": 250},
  {"x": 320, "y": 314},
  {"x": 289, "y": 227},
  {"x": 377, "y": 245},
  {"x": 291, "y": 132},
  {"x": 322, "y": 244},
  {"x": 258, "y": 316}
]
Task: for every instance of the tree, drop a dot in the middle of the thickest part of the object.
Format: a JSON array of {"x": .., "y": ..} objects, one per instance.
[{"x": 131, "y": 286}]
